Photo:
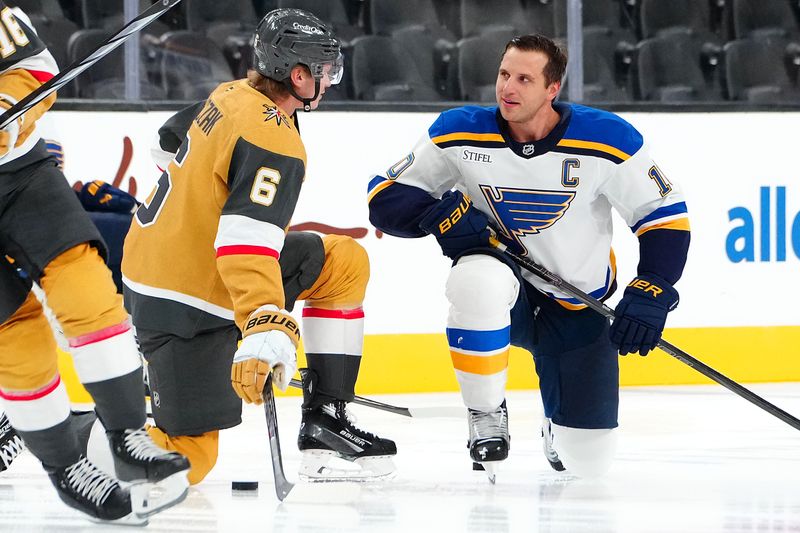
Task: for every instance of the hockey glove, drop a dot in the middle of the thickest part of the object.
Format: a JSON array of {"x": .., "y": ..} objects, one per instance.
[
  {"x": 456, "y": 224},
  {"x": 98, "y": 195},
  {"x": 269, "y": 343},
  {"x": 641, "y": 314}
]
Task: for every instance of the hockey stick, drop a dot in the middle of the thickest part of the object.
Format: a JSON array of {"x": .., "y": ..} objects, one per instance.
[
  {"x": 674, "y": 351},
  {"x": 411, "y": 412},
  {"x": 282, "y": 485},
  {"x": 62, "y": 78}
]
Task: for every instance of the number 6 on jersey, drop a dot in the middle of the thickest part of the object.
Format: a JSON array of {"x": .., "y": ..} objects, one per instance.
[{"x": 265, "y": 186}]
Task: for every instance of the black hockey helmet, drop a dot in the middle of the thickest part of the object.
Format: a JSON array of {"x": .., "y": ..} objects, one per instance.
[{"x": 288, "y": 37}]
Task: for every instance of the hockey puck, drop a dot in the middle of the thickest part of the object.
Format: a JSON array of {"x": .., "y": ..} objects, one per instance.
[{"x": 244, "y": 485}]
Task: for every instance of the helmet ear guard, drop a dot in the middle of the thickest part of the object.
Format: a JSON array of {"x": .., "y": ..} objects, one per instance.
[{"x": 286, "y": 38}]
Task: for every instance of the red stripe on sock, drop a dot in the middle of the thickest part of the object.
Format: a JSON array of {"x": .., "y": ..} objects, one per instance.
[
  {"x": 27, "y": 396},
  {"x": 346, "y": 314},
  {"x": 97, "y": 336},
  {"x": 247, "y": 249}
]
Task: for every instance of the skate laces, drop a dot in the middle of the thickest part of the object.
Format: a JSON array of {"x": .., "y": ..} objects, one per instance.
[
  {"x": 10, "y": 443},
  {"x": 10, "y": 449},
  {"x": 90, "y": 482},
  {"x": 485, "y": 425},
  {"x": 339, "y": 410},
  {"x": 140, "y": 446}
]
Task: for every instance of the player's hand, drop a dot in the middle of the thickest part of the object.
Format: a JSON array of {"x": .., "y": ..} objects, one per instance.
[
  {"x": 456, "y": 224},
  {"x": 641, "y": 314},
  {"x": 9, "y": 134},
  {"x": 98, "y": 195},
  {"x": 269, "y": 345}
]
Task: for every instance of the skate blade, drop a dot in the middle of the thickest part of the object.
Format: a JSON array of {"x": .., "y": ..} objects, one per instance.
[
  {"x": 491, "y": 468},
  {"x": 148, "y": 499},
  {"x": 128, "y": 520},
  {"x": 321, "y": 466}
]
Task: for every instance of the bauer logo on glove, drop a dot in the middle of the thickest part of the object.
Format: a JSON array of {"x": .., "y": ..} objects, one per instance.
[
  {"x": 267, "y": 320},
  {"x": 457, "y": 224},
  {"x": 648, "y": 288},
  {"x": 641, "y": 314}
]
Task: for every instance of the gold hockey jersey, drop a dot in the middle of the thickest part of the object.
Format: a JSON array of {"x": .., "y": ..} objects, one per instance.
[
  {"x": 25, "y": 64},
  {"x": 203, "y": 249}
]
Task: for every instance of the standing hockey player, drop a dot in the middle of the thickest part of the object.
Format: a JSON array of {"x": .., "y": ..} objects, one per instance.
[
  {"x": 208, "y": 261},
  {"x": 545, "y": 176},
  {"x": 47, "y": 238}
]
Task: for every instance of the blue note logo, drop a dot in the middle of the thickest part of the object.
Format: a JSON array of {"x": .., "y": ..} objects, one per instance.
[
  {"x": 770, "y": 226},
  {"x": 521, "y": 212}
]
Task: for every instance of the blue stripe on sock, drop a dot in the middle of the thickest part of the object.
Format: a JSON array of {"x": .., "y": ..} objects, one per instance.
[{"x": 478, "y": 341}]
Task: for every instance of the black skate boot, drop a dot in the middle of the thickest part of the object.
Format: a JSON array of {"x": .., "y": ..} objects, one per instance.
[
  {"x": 489, "y": 440},
  {"x": 146, "y": 466},
  {"x": 10, "y": 443},
  {"x": 88, "y": 489},
  {"x": 328, "y": 433},
  {"x": 547, "y": 445}
]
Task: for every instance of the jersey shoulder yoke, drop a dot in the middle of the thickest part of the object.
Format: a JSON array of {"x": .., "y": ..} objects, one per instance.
[
  {"x": 469, "y": 125},
  {"x": 600, "y": 133}
]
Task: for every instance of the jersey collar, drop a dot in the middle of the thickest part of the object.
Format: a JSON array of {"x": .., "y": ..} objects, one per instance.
[{"x": 532, "y": 149}]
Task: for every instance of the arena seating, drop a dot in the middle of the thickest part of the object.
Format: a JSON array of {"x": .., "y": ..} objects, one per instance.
[{"x": 629, "y": 46}]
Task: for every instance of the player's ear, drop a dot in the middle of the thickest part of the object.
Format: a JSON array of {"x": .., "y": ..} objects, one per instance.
[
  {"x": 298, "y": 75},
  {"x": 553, "y": 89}
]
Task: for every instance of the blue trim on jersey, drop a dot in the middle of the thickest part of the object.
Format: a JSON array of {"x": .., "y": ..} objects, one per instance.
[
  {"x": 374, "y": 181},
  {"x": 661, "y": 212},
  {"x": 478, "y": 341},
  {"x": 398, "y": 208},
  {"x": 471, "y": 119},
  {"x": 596, "y": 294},
  {"x": 596, "y": 125}
]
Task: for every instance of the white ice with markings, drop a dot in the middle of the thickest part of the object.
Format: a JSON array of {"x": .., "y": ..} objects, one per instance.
[{"x": 691, "y": 459}]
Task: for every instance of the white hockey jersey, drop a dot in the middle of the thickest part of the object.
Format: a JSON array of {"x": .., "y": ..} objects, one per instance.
[{"x": 552, "y": 197}]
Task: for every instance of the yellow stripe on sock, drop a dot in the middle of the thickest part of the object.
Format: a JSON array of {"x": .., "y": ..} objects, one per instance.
[{"x": 484, "y": 365}]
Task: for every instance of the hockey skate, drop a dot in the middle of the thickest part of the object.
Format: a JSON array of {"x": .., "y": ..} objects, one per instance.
[
  {"x": 328, "y": 434},
  {"x": 88, "y": 489},
  {"x": 157, "y": 477},
  {"x": 547, "y": 446},
  {"x": 10, "y": 443},
  {"x": 489, "y": 440}
]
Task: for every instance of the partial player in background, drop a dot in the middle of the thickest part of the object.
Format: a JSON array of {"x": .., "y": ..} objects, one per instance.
[
  {"x": 545, "y": 175},
  {"x": 208, "y": 261},
  {"x": 46, "y": 239}
]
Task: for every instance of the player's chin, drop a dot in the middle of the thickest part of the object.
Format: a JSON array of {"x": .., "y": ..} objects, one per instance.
[{"x": 507, "y": 111}]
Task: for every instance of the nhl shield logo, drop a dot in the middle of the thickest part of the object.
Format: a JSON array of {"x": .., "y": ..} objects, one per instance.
[{"x": 527, "y": 149}]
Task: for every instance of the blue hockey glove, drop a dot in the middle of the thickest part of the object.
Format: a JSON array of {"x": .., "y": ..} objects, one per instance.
[
  {"x": 456, "y": 224},
  {"x": 641, "y": 314},
  {"x": 98, "y": 195}
]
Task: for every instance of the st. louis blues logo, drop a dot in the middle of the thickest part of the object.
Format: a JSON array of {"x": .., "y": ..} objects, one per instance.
[
  {"x": 273, "y": 113},
  {"x": 521, "y": 212}
]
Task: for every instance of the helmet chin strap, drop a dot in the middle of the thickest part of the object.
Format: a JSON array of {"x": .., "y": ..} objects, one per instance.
[{"x": 306, "y": 101}]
